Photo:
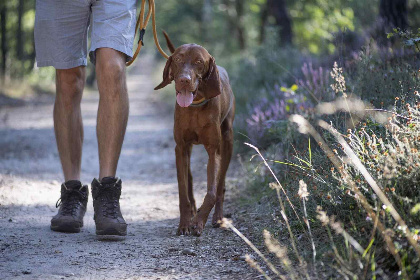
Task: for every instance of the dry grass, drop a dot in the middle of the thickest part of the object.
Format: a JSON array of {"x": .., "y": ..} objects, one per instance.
[{"x": 376, "y": 177}]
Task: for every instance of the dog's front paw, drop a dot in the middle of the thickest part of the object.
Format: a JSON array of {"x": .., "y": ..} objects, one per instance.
[
  {"x": 183, "y": 229},
  {"x": 197, "y": 226}
]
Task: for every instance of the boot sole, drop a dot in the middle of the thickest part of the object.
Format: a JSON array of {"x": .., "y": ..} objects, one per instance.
[
  {"x": 66, "y": 228},
  {"x": 110, "y": 237},
  {"x": 110, "y": 234}
]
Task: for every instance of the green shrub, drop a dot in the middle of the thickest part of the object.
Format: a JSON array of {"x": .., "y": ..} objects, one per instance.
[
  {"x": 254, "y": 74},
  {"x": 382, "y": 74}
]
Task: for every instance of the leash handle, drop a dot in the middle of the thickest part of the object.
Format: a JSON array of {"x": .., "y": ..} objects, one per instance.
[{"x": 141, "y": 25}]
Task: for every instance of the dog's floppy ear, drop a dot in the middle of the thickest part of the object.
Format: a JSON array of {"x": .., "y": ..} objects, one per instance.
[
  {"x": 167, "y": 77},
  {"x": 211, "y": 81}
]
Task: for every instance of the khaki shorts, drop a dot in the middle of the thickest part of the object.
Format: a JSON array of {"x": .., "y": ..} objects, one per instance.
[{"x": 61, "y": 30}]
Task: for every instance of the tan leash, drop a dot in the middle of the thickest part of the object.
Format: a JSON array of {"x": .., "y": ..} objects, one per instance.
[
  {"x": 141, "y": 29},
  {"x": 141, "y": 25}
]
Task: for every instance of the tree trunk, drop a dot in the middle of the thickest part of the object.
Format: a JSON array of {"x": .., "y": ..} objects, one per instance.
[
  {"x": 264, "y": 18},
  {"x": 393, "y": 14},
  {"x": 277, "y": 9},
  {"x": 30, "y": 37},
  {"x": 19, "y": 47},
  {"x": 3, "y": 14},
  {"x": 206, "y": 18},
  {"x": 235, "y": 20},
  {"x": 240, "y": 25}
]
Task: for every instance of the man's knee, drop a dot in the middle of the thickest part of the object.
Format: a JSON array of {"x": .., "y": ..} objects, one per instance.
[
  {"x": 110, "y": 64},
  {"x": 70, "y": 82}
]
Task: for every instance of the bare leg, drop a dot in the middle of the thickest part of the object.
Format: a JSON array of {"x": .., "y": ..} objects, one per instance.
[
  {"x": 113, "y": 108},
  {"x": 68, "y": 124}
]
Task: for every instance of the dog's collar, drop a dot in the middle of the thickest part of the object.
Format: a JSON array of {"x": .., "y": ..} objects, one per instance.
[{"x": 199, "y": 103}]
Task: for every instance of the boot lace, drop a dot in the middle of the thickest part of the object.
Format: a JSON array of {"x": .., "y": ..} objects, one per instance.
[
  {"x": 110, "y": 195},
  {"x": 69, "y": 201}
]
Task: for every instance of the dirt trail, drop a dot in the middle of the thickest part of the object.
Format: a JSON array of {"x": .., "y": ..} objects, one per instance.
[{"x": 30, "y": 177}]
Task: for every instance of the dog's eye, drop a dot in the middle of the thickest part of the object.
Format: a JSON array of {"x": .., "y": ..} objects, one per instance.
[{"x": 198, "y": 62}]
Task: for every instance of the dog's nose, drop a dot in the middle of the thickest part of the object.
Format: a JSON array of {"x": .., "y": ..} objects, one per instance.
[{"x": 185, "y": 79}]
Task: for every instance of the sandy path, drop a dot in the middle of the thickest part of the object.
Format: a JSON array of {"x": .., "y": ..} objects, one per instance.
[{"x": 30, "y": 176}]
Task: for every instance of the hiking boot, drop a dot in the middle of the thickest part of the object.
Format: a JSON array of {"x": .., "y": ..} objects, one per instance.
[
  {"x": 109, "y": 221},
  {"x": 72, "y": 203}
]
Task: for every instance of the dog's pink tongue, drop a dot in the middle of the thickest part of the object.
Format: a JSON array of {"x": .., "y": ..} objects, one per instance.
[{"x": 184, "y": 98}]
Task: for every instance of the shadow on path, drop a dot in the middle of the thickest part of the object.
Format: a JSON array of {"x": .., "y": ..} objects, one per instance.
[{"x": 30, "y": 176}]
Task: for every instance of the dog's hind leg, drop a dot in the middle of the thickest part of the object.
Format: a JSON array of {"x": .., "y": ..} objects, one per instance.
[
  {"x": 227, "y": 148},
  {"x": 190, "y": 184}
]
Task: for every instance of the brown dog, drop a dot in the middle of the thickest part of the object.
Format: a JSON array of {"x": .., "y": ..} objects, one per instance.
[{"x": 204, "y": 115}]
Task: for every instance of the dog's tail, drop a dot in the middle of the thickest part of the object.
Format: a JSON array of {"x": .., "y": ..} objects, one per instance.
[{"x": 169, "y": 42}]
